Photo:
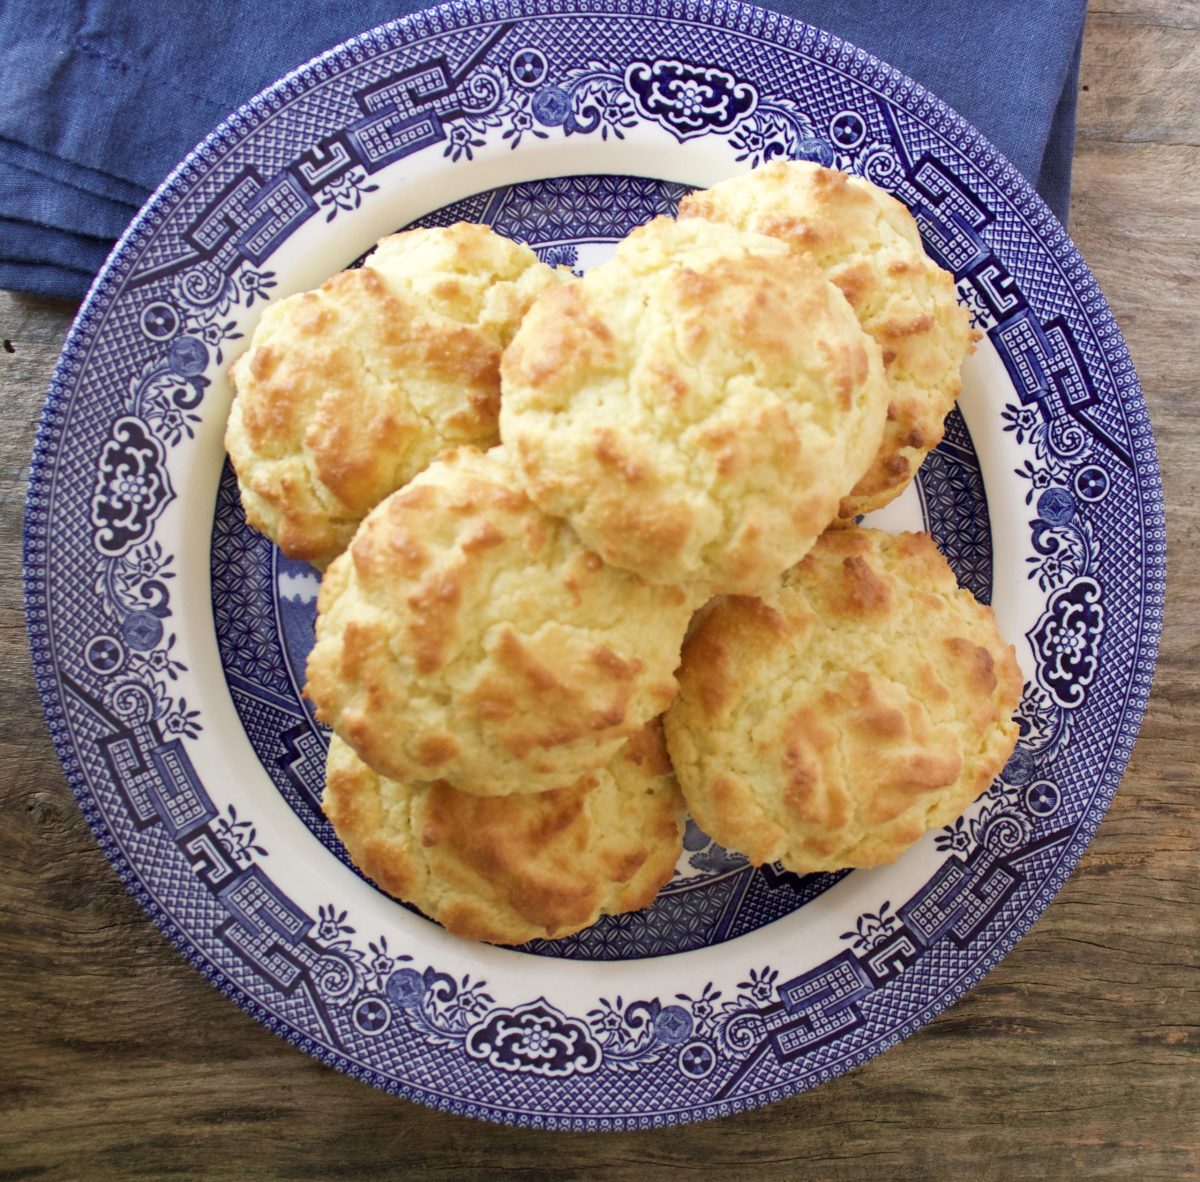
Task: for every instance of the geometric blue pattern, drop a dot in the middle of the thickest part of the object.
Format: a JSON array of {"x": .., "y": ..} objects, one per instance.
[
  {"x": 954, "y": 506},
  {"x": 485, "y": 80}
]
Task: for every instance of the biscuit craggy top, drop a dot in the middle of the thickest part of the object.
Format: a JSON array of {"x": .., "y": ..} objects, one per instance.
[
  {"x": 831, "y": 722},
  {"x": 696, "y": 407},
  {"x": 466, "y": 636},
  {"x": 512, "y": 868},
  {"x": 869, "y": 245},
  {"x": 347, "y": 392}
]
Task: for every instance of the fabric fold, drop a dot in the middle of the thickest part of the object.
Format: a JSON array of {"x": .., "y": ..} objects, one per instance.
[{"x": 26, "y": 196}]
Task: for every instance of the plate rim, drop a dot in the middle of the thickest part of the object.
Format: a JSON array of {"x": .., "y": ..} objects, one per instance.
[{"x": 745, "y": 20}]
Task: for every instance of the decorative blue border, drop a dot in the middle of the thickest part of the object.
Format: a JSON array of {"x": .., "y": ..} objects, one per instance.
[{"x": 801, "y": 1019}]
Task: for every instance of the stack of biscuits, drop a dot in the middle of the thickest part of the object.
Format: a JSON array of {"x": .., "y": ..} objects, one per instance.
[{"x": 591, "y": 557}]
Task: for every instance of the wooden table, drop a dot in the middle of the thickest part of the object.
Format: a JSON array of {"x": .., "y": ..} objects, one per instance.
[{"x": 1075, "y": 1058}]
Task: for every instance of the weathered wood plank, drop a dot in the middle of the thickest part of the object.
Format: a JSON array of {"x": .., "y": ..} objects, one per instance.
[
  {"x": 1140, "y": 88},
  {"x": 1146, "y": 14}
]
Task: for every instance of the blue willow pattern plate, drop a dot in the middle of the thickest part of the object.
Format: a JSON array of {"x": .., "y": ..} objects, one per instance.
[{"x": 169, "y": 640}]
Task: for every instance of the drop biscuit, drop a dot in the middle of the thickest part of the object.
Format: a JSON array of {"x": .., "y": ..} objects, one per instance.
[
  {"x": 696, "y": 407},
  {"x": 834, "y": 720},
  {"x": 506, "y": 869},
  {"x": 868, "y": 244},
  {"x": 465, "y": 636},
  {"x": 349, "y": 391}
]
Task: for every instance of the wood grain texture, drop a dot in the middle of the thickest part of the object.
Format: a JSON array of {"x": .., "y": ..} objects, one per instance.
[{"x": 1076, "y": 1057}]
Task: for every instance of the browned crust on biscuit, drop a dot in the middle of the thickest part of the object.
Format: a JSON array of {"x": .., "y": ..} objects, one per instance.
[
  {"x": 346, "y": 392},
  {"x": 833, "y": 721},
  {"x": 696, "y": 407},
  {"x": 514, "y": 868},
  {"x": 467, "y": 637},
  {"x": 870, "y": 247}
]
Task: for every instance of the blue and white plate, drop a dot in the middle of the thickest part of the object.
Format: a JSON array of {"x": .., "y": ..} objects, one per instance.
[{"x": 169, "y": 640}]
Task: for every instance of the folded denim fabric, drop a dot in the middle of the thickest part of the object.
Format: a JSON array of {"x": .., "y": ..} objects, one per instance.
[
  {"x": 63, "y": 171},
  {"x": 1053, "y": 180},
  {"x": 46, "y": 201},
  {"x": 37, "y": 244},
  {"x": 45, "y": 279},
  {"x": 103, "y": 97}
]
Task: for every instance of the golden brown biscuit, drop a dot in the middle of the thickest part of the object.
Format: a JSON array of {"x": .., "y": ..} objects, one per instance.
[
  {"x": 467, "y": 637},
  {"x": 347, "y": 392},
  {"x": 834, "y": 720},
  {"x": 696, "y": 407},
  {"x": 512, "y": 868},
  {"x": 869, "y": 245}
]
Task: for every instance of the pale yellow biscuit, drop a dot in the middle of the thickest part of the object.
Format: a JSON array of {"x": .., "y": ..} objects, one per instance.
[
  {"x": 512, "y": 868},
  {"x": 696, "y": 407},
  {"x": 466, "y": 636},
  {"x": 869, "y": 245},
  {"x": 834, "y": 720},
  {"x": 347, "y": 392}
]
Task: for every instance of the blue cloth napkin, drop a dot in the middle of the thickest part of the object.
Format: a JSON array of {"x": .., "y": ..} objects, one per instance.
[{"x": 103, "y": 97}]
